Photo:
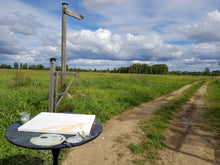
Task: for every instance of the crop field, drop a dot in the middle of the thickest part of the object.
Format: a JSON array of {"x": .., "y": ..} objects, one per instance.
[{"x": 102, "y": 94}]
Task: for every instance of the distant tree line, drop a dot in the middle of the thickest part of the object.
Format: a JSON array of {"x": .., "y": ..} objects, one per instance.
[
  {"x": 26, "y": 66},
  {"x": 207, "y": 72},
  {"x": 161, "y": 69},
  {"x": 5, "y": 66},
  {"x": 143, "y": 69},
  {"x": 135, "y": 69}
]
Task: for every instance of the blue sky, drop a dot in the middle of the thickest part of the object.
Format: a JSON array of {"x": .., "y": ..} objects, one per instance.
[{"x": 183, "y": 34}]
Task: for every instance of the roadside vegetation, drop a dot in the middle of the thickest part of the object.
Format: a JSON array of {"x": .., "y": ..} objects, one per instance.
[
  {"x": 102, "y": 94},
  {"x": 212, "y": 114},
  {"x": 155, "y": 126}
]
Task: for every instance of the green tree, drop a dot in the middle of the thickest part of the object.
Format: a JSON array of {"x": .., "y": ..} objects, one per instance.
[
  {"x": 15, "y": 65},
  {"x": 207, "y": 72},
  {"x": 21, "y": 66},
  {"x": 67, "y": 68},
  {"x": 137, "y": 68},
  {"x": 40, "y": 67},
  {"x": 32, "y": 67},
  {"x": 144, "y": 68},
  {"x": 5, "y": 66},
  {"x": 25, "y": 66},
  {"x": 58, "y": 68},
  {"x": 160, "y": 69}
]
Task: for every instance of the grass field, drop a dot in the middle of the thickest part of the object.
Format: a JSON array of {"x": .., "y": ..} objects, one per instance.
[
  {"x": 102, "y": 94},
  {"x": 212, "y": 115}
]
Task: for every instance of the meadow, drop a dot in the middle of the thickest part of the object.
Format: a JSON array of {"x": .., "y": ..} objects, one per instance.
[{"x": 102, "y": 94}]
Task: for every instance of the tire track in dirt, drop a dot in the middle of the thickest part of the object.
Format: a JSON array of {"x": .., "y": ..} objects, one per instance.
[
  {"x": 111, "y": 146},
  {"x": 186, "y": 142}
]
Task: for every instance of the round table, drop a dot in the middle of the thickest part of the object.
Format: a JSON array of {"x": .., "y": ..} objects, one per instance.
[{"x": 22, "y": 139}]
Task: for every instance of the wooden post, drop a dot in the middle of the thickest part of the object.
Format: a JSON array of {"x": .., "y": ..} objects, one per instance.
[
  {"x": 52, "y": 84},
  {"x": 63, "y": 47}
]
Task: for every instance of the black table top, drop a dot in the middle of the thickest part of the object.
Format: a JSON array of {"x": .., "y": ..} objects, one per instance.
[{"x": 22, "y": 139}]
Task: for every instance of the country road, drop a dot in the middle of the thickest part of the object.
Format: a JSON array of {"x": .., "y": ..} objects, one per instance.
[{"x": 186, "y": 143}]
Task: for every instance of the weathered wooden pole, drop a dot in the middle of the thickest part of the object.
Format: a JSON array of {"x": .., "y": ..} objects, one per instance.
[
  {"x": 63, "y": 47},
  {"x": 52, "y": 84}
]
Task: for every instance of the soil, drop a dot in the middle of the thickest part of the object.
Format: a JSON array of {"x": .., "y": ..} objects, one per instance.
[{"x": 186, "y": 142}]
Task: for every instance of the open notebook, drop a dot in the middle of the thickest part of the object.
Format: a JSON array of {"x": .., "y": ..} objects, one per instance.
[{"x": 62, "y": 123}]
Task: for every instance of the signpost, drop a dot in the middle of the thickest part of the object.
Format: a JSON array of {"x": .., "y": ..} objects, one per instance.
[
  {"x": 53, "y": 94},
  {"x": 63, "y": 46}
]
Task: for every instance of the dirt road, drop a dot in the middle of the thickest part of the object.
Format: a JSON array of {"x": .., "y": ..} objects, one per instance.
[
  {"x": 186, "y": 141},
  {"x": 110, "y": 148}
]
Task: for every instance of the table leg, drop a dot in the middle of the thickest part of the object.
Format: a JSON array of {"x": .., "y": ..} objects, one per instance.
[{"x": 55, "y": 153}]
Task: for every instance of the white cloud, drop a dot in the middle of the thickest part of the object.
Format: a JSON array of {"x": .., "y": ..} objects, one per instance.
[
  {"x": 206, "y": 31},
  {"x": 133, "y": 15},
  {"x": 18, "y": 22},
  {"x": 189, "y": 60},
  {"x": 125, "y": 32},
  {"x": 102, "y": 44},
  {"x": 97, "y": 64},
  {"x": 22, "y": 28},
  {"x": 134, "y": 29},
  {"x": 206, "y": 51},
  {"x": 97, "y": 4},
  {"x": 145, "y": 41},
  {"x": 116, "y": 13},
  {"x": 9, "y": 44},
  {"x": 101, "y": 49},
  {"x": 98, "y": 42},
  {"x": 24, "y": 19},
  {"x": 214, "y": 16}
]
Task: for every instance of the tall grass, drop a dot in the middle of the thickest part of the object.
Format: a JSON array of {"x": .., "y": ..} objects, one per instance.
[
  {"x": 102, "y": 94},
  {"x": 21, "y": 91},
  {"x": 109, "y": 94}
]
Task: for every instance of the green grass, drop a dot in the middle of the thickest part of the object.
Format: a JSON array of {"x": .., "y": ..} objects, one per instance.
[
  {"x": 212, "y": 114},
  {"x": 136, "y": 148},
  {"x": 109, "y": 94},
  {"x": 155, "y": 126},
  {"x": 102, "y": 94}
]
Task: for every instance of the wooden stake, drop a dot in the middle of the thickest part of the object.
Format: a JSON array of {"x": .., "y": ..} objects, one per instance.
[
  {"x": 52, "y": 85},
  {"x": 63, "y": 47}
]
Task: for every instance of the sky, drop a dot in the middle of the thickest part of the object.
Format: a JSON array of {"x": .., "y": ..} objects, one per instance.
[{"x": 183, "y": 34}]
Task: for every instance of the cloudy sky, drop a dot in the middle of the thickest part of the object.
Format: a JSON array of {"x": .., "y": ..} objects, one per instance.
[{"x": 183, "y": 34}]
